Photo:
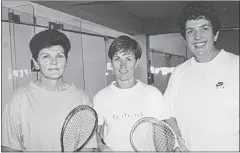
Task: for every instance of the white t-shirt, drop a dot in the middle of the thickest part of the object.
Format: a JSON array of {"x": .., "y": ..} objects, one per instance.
[
  {"x": 204, "y": 98},
  {"x": 119, "y": 109},
  {"x": 33, "y": 120}
]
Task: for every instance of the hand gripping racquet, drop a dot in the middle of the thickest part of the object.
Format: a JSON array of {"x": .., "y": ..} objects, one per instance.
[
  {"x": 151, "y": 134},
  {"x": 78, "y": 128}
]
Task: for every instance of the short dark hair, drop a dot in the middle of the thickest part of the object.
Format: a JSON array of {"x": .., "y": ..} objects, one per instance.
[
  {"x": 48, "y": 38},
  {"x": 126, "y": 44},
  {"x": 199, "y": 10}
]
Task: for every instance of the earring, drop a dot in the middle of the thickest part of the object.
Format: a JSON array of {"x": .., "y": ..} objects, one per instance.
[{"x": 36, "y": 67}]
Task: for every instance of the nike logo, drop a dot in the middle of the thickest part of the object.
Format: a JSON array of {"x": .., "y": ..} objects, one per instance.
[{"x": 220, "y": 85}]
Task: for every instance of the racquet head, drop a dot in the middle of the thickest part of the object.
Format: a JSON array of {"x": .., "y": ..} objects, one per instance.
[
  {"x": 151, "y": 134},
  {"x": 78, "y": 128}
]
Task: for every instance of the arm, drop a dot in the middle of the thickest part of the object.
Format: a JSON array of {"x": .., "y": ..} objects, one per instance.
[
  {"x": 100, "y": 109},
  {"x": 157, "y": 107},
  {"x": 12, "y": 125},
  {"x": 7, "y": 149},
  {"x": 101, "y": 145},
  {"x": 172, "y": 122},
  {"x": 169, "y": 93}
]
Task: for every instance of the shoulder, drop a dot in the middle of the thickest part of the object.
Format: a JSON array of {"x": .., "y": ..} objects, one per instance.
[
  {"x": 19, "y": 98},
  {"x": 229, "y": 61},
  {"x": 232, "y": 66},
  {"x": 233, "y": 59},
  {"x": 103, "y": 92},
  {"x": 150, "y": 89},
  {"x": 102, "y": 97},
  {"x": 181, "y": 68},
  {"x": 80, "y": 92},
  {"x": 21, "y": 91}
]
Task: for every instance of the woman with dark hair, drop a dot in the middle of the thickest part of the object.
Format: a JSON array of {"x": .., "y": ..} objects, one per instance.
[
  {"x": 32, "y": 121},
  {"x": 204, "y": 90},
  {"x": 125, "y": 100}
]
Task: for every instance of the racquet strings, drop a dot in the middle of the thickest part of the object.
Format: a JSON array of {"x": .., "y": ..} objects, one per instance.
[
  {"x": 163, "y": 137},
  {"x": 78, "y": 129},
  {"x": 150, "y": 135}
]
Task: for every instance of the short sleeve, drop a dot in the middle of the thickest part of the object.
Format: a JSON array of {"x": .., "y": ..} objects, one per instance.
[
  {"x": 157, "y": 106},
  {"x": 99, "y": 109},
  {"x": 11, "y": 125},
  {"x": 168, "y": 97}
]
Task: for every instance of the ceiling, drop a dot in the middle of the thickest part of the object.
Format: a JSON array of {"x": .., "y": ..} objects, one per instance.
[{"x": 140, "y": 17}]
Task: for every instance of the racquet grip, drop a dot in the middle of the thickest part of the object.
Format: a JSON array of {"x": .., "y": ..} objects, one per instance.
[{"x": 103, "y": 142}]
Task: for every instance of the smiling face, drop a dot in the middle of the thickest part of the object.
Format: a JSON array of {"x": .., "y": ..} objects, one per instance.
[
  {"x": 124, "y": 65},
  {"x": 52, "y": 62},
  {"x": 199, "y": 36}
]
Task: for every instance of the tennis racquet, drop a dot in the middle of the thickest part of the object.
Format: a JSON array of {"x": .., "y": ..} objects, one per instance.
[
  {"x": 151, "y": 134},
  {"x": 78, "y": 128}
]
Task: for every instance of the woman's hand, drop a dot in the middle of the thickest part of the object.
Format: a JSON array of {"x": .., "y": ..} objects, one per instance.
[
  {"x": 104, "y": 148},
  {"x": 182, "y": 145}
]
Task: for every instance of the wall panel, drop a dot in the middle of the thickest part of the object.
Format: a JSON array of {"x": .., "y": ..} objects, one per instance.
[
  {"x": 229, "y": 40},
  {"x": 94, "y": 64},
  {"x": 110, "y": 75},
  {"x": 160, "y": 80},
  {"x": 22, "y": 37},
  {"x": 74, "y": 70},
  {"x": 7, "y": 67}
]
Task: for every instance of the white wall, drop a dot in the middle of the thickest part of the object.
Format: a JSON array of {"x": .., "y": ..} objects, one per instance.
[
  {"x": 169, "y": 43},
  {"x": 142, "y": 69},
  {"x": 42, "y": 11}
]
